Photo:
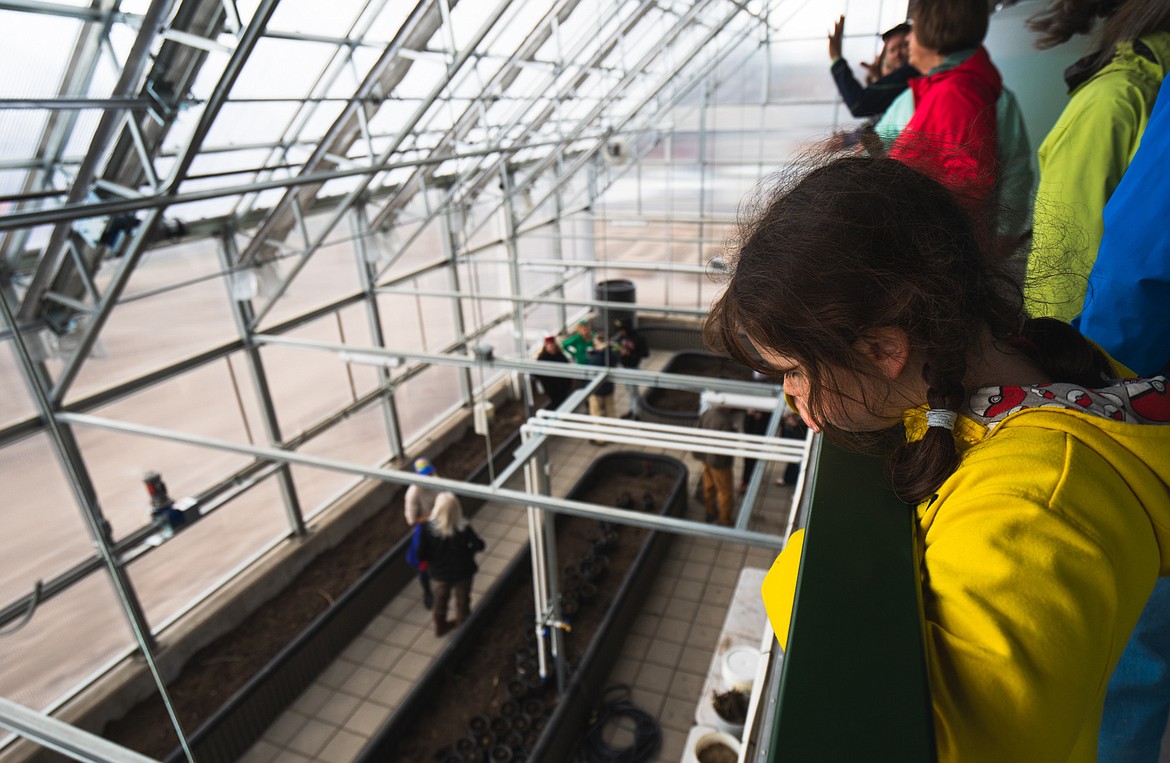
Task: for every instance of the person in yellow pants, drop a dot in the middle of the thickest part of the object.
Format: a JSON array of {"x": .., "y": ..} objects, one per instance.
[{"x": 717, "y": 468}]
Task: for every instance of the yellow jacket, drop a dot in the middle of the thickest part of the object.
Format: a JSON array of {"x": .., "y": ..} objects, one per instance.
[{"x": 1038, "y": 555}]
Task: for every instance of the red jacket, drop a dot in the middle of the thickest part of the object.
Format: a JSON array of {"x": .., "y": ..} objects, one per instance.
[{"x": 951, "y": 136}]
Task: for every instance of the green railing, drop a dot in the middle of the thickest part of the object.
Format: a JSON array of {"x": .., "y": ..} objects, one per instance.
[{"x": 853, "y": 684}]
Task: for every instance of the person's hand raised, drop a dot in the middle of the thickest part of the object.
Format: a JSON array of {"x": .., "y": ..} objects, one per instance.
[{"x": 835, "y": 38}]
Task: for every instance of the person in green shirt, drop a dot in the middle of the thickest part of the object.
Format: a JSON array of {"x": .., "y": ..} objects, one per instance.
[{"x": 579, "y": 343}]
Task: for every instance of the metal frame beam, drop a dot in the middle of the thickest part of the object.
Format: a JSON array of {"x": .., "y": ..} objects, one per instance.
[{"x": 466, "y": 489}]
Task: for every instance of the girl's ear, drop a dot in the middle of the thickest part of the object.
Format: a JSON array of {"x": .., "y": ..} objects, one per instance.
[{"x": 889, "y": 348}]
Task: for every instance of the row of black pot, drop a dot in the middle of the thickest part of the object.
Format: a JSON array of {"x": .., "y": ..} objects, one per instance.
[
  {"x": 509, "y": 736},
  {"x": 626, "y": 501}
]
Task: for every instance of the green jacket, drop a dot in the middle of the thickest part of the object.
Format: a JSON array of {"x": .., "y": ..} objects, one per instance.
[
  {"x": 578, "y": 348},
  {"x": 1081, "y": 163}
]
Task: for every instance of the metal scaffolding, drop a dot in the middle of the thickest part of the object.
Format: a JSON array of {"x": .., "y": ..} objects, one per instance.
[{"x": 477, "y": 152}]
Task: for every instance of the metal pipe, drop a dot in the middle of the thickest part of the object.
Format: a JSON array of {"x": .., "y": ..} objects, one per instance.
[
  {"x": 395, "y": 143},
  {"x": 468, "y": 489},
  {"x": 241, "y": 313},
  {"x": 591, "y": 303},
  {"x": 104, "y": 132},
  {"x": 145, "y": 229},
  {"x": 69, "y": 456},
  {"x": 374, "y": 319},
  {"x": 565, "y": 370},
  {"x": 73, "y": 103},
  {"x": 63, "y": 738},
  {"x": 601, "y": 432},
  {"x": 77, "y": 211}
]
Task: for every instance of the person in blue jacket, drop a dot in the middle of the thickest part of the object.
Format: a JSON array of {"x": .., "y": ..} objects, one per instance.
[
  {"x": 891, "y": 72},
  {"x": 1127, "y": 312}
]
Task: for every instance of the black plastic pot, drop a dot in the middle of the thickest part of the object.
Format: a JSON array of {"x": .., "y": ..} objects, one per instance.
[
  {"x": 527, "y": 667},
  {"x": 465, "y": 746},
  {"x": 590, "y": 571},
  {"x": 533, "y": 708},
  {"x": 477, "y": 724},
  {"x": 500, "y": 727},
  {"x": 517, "y": 688}
]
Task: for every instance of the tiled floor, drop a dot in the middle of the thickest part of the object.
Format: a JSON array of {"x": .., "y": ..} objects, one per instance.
[{"x": 664, "y": 659}]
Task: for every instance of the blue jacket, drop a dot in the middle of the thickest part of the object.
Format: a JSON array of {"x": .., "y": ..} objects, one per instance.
[
  {"x": 1127, "y": 306},
  {"x": 873, "y": 100}
]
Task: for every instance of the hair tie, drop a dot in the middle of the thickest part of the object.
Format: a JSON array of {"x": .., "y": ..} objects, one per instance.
[{"x": 941, "y": 417}]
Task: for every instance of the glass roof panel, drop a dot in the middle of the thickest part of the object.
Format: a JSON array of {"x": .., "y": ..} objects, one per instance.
[
  {"x": 389, "y": 20},
  {"x": 317, "y": 119},
  {"x": 31, "y": 68},
  {"x": 356, "y": 70},
  {"x": 250, "y": 123},
  {"x": 333, "y": 19},
  {"x": 517, "y": 23},
  {"x": 282, "y": 68},
  {"x": 82, "y": 133},
  {"x": 20, "y": 132}
]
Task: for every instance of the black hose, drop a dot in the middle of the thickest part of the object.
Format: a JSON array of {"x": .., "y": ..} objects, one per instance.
[{"x": 615, "y": 705}]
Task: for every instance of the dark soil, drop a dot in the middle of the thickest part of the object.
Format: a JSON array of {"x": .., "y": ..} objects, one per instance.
[
  {"x": 718, "y": 753},
  {"x": 732, "y": 706},
  {"x": 217, "y": 671},
  {"x": 693, "y": 364},
  {"x": 479, "y": 684}
]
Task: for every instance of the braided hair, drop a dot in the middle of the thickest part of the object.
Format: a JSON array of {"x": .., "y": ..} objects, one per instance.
[{"x": 865, "y": 243}]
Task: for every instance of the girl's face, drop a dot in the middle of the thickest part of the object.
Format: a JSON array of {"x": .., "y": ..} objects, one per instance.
[{"x": 850, "y": 403}]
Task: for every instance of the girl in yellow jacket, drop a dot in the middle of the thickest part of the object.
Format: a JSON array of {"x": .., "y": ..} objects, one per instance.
[{"x": 1040, "y": 477}]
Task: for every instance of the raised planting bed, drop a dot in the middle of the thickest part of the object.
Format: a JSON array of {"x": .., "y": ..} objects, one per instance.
[
  {"x": 479, "y": 699},
  {"x": 681, "y": 407},
  {"x": 241, "y": 720}
]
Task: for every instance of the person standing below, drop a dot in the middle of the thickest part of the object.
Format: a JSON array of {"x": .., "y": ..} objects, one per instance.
[
  {"x": 417, "y": 506},
  {"x": 602, "y": 355},
  {"x": 754, "y": 422},
  {"x": 1125, "y": 312},
  {"x": 579, "y": 343},
  {"x": 717, "y": 468},
  {"x": 556, "y": 387},
  {"x": 1111, "y": 93},
  {"x": 888, "y": 76},
  {"x": 449, "y": 545},
  {"x": 793, "y": 428},
  {"x": 632, "y": 348}
]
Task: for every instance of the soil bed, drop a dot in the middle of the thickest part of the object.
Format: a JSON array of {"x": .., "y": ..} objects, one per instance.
[
  {"x": 678, "y": 401},
  {"x": 479, "y": 684},
  {"x": 220, "y": 669}
]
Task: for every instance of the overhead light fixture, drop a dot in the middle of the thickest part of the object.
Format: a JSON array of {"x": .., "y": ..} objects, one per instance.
[{"x": 369, "y": 359}]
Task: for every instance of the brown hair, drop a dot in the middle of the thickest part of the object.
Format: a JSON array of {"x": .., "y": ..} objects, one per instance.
[
  {"x": 864, "y": 243},
  {"x": 950, "y": 25},
  {"x": 1125, "y": 20}
]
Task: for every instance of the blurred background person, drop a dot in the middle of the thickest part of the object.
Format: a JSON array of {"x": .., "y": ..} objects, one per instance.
[
  {"x": 1111, "y": 94},
  {"x": 886, "y": 77},
  {"x": 449, "y": 546},
  {"x": 556, "y": 387}
]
